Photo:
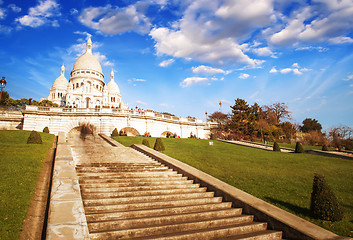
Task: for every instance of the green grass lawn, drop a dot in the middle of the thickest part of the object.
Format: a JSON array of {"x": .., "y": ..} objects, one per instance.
[
  {"x": 282, "y": 179},
  {"x": 20, "y": 165}
]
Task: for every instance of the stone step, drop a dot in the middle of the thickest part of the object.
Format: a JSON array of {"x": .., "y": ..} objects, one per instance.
[
  {"x": 240, "y": 228},
  {"x": 121, "y": 169},
  {"x": 118, "y": 164},
  {"x": 227, "y": 233},
  {"x": 101, "y": 189},
  {"x": 127, "y": 175},
  {"x": 159, "y": 212},
  {"x": 168, "y": 220},
  {"x": 111, "y": 201},
  {"x": 133, "y": 182},
  {"x": 151, "y": 205},
  {"x": 141, "y": 193}
]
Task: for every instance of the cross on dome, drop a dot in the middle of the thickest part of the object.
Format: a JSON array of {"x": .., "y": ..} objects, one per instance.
[
  {"x": 89, "y": 45},
  {"x": 62, "y": 70},
  {"x": 112, "y": 75}
]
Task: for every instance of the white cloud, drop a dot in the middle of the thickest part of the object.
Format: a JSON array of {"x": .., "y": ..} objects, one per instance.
[
  {"x": 348, "y": 78},
  {"x": 264, "y": 51},
  {"x": 103, "y": 59},
  {"x": 273, "y": 70},
  {"x": 187, "y": 82},
  {"x": 244, "y": 75},
  {"x": 310, "y": 48},
  {"x": 295, "y": 65},
  {"x": 295, "y": 68},
  {"x": 286, "y": 70},
  {"x": 41, "y": 14},
  {"x": 321, "y": 21},
  {"x": 2, "y": 13},
  {"x": 212, "y": 31},
  {"x": 14, "y": 8},
  {"x": 351, "y": 85},
  {"x": 138, "y": 102},
  {"x": 166, "y": 63},
  {"x": 208, "y": 70},
  {"x": 341, "y": 40},
  {"x": 114, "y": 20},
  {"x": 73, "y": 11}
]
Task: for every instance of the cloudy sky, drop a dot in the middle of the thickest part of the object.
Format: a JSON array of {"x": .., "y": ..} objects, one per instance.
[{"x": 185, "y": 56}]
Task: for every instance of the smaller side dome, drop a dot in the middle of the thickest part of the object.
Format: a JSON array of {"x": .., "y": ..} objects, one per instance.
[
  {"x": 61, "y": 82},
  {"x": 112, "y": 87}
]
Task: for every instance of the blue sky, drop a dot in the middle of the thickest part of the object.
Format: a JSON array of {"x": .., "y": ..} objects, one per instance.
[{"x": 185, "y": 56}]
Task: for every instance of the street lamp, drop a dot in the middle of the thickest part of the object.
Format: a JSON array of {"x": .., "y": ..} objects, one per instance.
[{"x": 2, "y": 85}]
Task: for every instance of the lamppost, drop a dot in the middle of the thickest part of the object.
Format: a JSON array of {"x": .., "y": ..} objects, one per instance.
[
  {"x": 206, "y": 116},
  {"x": 2, "y": 85}
]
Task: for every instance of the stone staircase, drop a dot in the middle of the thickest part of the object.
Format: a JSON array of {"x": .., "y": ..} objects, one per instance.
[{"x": 146, "y": 200}]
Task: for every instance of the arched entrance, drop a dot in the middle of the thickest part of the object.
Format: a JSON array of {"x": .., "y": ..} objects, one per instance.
[
  {"x": 87, "y": 102},
  {"x": 167, "y": 134},
  {"x": 130, "y": 131}
]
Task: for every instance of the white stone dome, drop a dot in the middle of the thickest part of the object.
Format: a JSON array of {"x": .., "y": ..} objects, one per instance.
[
  {"x": 112, "y": 87},
  {"x": 87, "y": 61},
  {"x": 61, "y": 82}
]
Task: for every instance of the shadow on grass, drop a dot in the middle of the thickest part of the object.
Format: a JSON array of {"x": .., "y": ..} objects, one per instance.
[{"x": 294, "y": 208}]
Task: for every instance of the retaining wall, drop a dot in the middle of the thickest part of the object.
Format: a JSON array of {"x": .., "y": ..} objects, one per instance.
[{"x": 293, "y": 227}]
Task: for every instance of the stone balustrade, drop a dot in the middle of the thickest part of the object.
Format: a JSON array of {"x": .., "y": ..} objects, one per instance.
[{"x": 111, "y": 111}]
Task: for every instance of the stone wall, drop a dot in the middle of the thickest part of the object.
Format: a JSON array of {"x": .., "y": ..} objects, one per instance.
[
  {"x": 106, "y": 120},
  {"x": 11, "y": 120}
]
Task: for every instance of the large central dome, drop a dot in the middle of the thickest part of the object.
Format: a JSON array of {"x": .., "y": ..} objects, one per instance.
[{"x": 87, "y": 61}]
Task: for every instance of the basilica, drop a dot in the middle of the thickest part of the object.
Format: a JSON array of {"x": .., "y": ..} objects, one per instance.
[{"x": 86, "y": 87}]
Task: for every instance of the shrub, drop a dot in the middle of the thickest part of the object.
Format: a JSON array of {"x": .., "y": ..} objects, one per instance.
[
  {"x": 146, "y": 142},
  {"x": 46, "y": 130},
  {"x": 115, "y": 133},
  {"x": 159, "y": 145},
  {"x": 276, "y": 147},
  {"x": 299, "y": 148},
  {"x": 212, "y": 136},
  {"x": 324, "y": 204},
  {"x": 324, "y": 148},
  {"x": 34, "y": 138}
]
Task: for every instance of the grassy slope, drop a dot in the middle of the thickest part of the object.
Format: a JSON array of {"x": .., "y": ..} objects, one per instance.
[
  {"x": 282, "y": 179},
  {"x": 20, "y": 166}
]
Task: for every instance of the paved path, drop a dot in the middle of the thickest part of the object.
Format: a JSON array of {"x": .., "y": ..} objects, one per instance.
[{"x": 256, "y": 145}]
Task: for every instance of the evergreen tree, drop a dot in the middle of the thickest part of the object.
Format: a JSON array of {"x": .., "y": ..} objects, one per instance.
[
  {"x": 299, "y": 148},
  {"x": 276, "y": 147},
  {"x": 324, "y": 204},
  {"x": 34, "y": 138},
  {"x": 158, "y": 146},
  {"x": 145, "y": 142},
  {"x": 115, "y": 133},
  {"x": 324, "y": 148},
  {"x": 243, "y": 117},
  {"x": 46, "y": 130}
]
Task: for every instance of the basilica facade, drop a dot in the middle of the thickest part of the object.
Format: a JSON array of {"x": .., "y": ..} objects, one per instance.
[{"x": 86, "y": 87}]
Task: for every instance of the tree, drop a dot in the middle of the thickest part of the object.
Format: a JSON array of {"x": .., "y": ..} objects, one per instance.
[
  {"x": 324, "y": 204},
  {"x": 4, "y": 95},
  {"x": 288, "y": 129},
  {"x": 310, "y": 125},
  {"x": 48, "y": 103},
  {"x": 276, "y": 147},
  {"x": 299, "y": 148},
  {"x": 220, "y": 118},
  {"x": 280, "y": 111},
  {"x": 243, "y": 118}
]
